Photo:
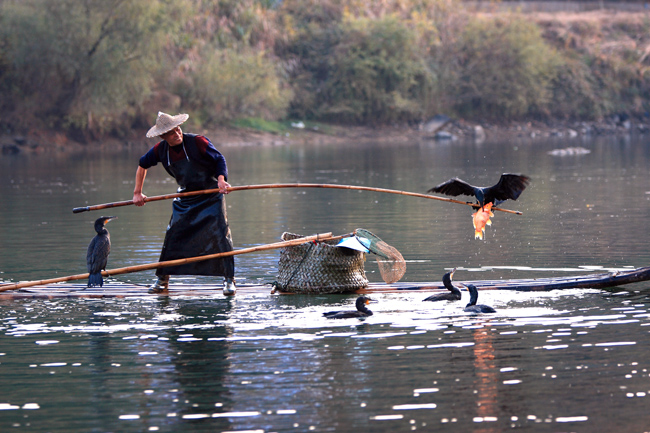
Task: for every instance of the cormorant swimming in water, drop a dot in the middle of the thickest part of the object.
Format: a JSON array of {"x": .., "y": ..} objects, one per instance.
[
  {"x": 510, "y": 186},
  {"x": 473, "y": 297},
  {"x": 362, "y": 310},
  {"x": 98, "y": 251},
  {"x": 452, "y": 295}
]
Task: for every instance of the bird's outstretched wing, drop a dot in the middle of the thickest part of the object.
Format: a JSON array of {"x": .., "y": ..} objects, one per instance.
[
  {"x": 453, "y": 187},
  {"x": 509, "y": 187}
]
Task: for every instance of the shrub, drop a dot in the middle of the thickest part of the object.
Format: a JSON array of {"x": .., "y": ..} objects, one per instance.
[
  {"x": 226, "y": 84},
  {"x": 234, "y": 23},
  {"x": 620, "y": 83},
  {"x": 504, "y": 68},
  {"x": 376, "y": 74},
  {"x": 575, "y": 93}
]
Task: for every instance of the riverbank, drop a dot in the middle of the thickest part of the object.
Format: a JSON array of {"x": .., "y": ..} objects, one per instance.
[
  {"x": 600, "y": 57},
  {"x": 436, "y": 130},
  {"x": 613, "y": 34}
]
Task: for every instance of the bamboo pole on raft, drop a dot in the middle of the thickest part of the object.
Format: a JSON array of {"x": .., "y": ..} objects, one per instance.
[{"x": 148, "y": 266}]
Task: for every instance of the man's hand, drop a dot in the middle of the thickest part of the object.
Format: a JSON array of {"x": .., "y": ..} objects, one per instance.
[
  {"x": 223, "y": 185},
  {"x": 138, "y": 199}
]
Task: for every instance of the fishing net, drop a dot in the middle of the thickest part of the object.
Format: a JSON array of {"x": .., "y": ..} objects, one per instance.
[{"x": 391, "y": 263}]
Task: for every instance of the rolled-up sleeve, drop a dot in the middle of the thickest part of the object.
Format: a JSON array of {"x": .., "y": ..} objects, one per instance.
[{"x": 150, "y": 158}]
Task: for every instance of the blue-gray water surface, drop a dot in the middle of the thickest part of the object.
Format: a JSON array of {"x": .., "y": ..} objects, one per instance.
[{"x": 564, "y": 360}]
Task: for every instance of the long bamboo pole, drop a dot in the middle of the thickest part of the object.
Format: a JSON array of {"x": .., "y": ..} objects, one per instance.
[
  {"x": 148, "y": 266},
  {"x": 286, "y": 185}
]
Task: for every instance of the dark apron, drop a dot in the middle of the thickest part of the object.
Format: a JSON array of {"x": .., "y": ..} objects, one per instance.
[{"x": 198, "y": 226}]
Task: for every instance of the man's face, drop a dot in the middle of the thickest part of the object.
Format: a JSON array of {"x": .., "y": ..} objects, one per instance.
[{"x": 173, "y": 137}]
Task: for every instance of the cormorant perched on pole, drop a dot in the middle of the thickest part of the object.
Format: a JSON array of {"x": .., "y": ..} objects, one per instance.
[
  {"x": 98, "y": 251},
  {"x": 509, "y": 186}
]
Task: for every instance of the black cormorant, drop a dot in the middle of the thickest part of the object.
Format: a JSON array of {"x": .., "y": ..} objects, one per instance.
[
  {"x": 362, "y": 310},
  {"x": 509, "y": 186},
  {"x": 473, "y": 297},
  {"x": 98, "y": 251},
  {"x": 452, "y": 295}
]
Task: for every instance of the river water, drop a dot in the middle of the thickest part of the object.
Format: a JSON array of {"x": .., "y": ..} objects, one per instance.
[{"x": 570, "y": 360}]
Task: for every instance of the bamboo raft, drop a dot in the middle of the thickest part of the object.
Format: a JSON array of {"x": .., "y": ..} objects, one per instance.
[{"x": 114, "y": 289}]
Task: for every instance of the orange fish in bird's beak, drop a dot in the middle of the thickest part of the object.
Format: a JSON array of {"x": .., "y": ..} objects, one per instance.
[{"x": 482, "y": 219}]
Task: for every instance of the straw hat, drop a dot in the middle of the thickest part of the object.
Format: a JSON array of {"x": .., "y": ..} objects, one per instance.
[{"x": 165, "y": 123}]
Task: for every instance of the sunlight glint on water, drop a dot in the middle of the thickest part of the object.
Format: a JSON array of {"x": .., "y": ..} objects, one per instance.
[{"x": 568, "y": 360}]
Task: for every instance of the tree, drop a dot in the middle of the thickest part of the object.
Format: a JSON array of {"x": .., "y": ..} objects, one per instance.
[{"x": 84, "y": 64}]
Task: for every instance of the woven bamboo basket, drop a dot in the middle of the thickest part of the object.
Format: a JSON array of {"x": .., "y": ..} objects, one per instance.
[{"x": 320, "y": 268}]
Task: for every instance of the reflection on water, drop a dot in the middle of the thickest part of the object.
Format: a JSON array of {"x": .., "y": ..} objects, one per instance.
[
  {"x": 486, "y": 380},
  {"x": 571, "y": 360},
  {"x": 274, "y": 363}
]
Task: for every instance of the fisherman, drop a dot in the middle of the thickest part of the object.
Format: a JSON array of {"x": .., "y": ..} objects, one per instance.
[{"x": 199, "y": 224}]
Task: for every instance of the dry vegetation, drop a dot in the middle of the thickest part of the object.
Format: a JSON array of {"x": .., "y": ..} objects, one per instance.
[
  {"x": 347, "y": 67},
  {"x": 606, "y": 34},
  {"x": 609, "y": 32}
]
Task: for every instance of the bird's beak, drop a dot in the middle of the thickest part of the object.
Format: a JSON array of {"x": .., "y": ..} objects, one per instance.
[
  {"x": 109, "y": 218},
  {"x": 451, "y": 274}
]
